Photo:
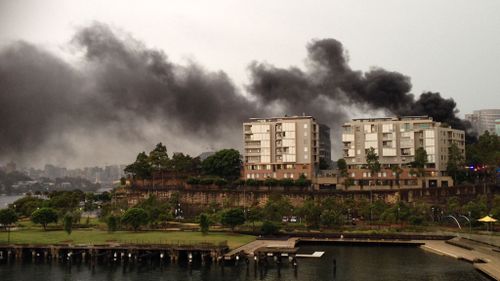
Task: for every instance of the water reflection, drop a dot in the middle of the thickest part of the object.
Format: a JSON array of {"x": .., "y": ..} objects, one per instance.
[{"x": 338, "y": 263}]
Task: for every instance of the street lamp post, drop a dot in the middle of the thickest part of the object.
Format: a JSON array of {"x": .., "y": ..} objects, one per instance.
[{"x": 399, "y": 209}]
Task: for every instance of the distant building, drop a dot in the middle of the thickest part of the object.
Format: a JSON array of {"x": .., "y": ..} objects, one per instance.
[
  {"x": 483, "y": 120},
  {"x": 395, "y": 141},
  {"x": 283, "y": 147},
  {"x": 10, "y": 167},
  {"x": 205, "y": 155},
  {"x": 497, "y": 127}
]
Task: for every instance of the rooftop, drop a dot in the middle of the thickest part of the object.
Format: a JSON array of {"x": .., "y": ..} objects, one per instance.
[
  {"x": 396, "y": 118},
  {"x": 273, "y": 119}
]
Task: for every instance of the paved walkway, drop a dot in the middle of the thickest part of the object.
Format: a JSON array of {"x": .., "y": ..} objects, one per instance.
[{"x": 481, "y": 255}]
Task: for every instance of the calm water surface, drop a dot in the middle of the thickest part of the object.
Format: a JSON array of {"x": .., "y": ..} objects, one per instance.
[
  {"x": 353, "y": 263},
  {"x": 5, "y": 200}
]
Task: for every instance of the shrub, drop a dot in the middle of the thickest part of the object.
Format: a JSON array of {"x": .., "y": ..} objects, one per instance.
[
  {"x": 193, "y": 180},
  {"x": 270, "y": 182},
  {"x": 269, "y": 228},
  {"x": 220, "y": 182},
  {"x": 206, "y": 181},
  {"x": 135, "y": 217},
  {"x": 112, "y": 223},
  {"x": 204, "y": 223},
  {"x": 68, "y": 223},
  {"x": 286, "y": 182},
  {"x": 253, "y": 182}
]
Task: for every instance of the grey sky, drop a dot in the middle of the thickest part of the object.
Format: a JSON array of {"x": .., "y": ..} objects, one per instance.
[
  {"x": 452, "y": 47},
  {"x": 91, "y": 114}
]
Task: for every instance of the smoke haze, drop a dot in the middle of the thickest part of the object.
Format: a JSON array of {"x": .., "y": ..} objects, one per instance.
[{"x": 122, "y": 97}]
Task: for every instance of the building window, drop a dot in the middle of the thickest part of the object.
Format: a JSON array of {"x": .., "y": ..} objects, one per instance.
[{"x": 305, "y": 126}]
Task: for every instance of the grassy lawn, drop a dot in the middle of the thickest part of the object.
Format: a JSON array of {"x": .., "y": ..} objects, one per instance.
[{"x": 92, "y": 236}]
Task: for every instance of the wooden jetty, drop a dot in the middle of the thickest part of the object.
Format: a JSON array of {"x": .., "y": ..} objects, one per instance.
[{"x": 114, "y": 253}]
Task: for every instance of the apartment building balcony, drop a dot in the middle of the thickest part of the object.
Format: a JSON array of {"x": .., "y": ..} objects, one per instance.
[{"x": 249, "y": 144}]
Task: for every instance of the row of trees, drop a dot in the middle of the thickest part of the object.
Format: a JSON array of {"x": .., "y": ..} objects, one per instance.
[
  {"x": 61, "y": 201},
  {"x": 333, "y": 211},
  {"x": 270, "y": 182},
  {"x": 224, "y": 164}
]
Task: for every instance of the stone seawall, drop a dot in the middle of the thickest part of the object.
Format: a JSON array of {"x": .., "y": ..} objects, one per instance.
[{"x": 196, "y": 198}]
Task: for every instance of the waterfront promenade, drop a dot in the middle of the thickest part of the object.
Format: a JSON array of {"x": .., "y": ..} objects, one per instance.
[
  {"x": 485, "y": 257},
  {"x": 481, "y": 250}
]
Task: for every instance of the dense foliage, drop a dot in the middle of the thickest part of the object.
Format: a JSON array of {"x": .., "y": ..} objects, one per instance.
[
  {"x": 135, "y": 218},
  {"x": 233, "y": 218},
  {"x": 44, "y": 216},
  {"x": 225, "y": 163}
]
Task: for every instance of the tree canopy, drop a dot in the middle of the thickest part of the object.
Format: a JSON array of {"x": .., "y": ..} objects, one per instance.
[
  {"x": 158, "y": 157},
  {"x": 372, "y": 161},
  {"x": 233, "y": 218},
  {"x": 141, "y": 167},
  {"x": 135, "y": 218},
  {"x": 7, "y": 217},
  {"x": 44, "y": 216},
  {"x": 420, "y": 160},
  {"x": 455, "y": 161},
  {"x": 224, "y": 163}
]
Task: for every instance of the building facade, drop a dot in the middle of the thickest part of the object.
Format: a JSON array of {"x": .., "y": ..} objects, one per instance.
[
  {"x": 395, "y": 141},
  {"x": 483, "y": 120},
  {"x": 325, "y": 145},
  {"x": 283, "y": 147}
]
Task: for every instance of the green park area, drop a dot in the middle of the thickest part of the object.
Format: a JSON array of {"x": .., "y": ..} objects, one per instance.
[{"x": 93, "y": 236}]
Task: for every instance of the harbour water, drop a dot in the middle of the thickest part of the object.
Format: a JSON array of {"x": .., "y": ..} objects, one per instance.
[
  {"x": 352, "y": 263},
  {"x": 5, "y": 200}
]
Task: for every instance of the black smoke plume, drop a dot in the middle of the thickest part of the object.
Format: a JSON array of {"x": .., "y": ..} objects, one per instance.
[{"x": 122, "y": 97}]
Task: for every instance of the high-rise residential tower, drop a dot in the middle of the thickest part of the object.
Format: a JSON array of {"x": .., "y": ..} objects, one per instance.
[
  {"x": 283, "y": 147},
  {"x": 395, "y": 141},
  {"x": 483, "y": 120}
]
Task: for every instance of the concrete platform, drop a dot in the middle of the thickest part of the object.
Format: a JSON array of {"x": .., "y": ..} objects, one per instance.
[{"x": 481, "y": 255}]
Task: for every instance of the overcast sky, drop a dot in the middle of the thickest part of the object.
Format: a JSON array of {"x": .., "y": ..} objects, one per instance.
[
  {"x": 115, "y": 96},
  {"x": 452, "y": 47}
]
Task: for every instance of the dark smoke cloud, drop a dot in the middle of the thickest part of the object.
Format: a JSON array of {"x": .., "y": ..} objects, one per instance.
[
  {"x": 122, "y": 88},
  {"x": 123, "y": 97},
  {"x": 330, "y": 79}
]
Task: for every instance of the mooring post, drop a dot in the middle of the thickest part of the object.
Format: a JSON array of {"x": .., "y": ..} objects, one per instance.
[{"x": 19, "y": 254}]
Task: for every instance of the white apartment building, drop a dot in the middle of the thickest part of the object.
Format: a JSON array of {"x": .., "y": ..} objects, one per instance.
[
  {"x": 281, "y": 147},
  {"x": 483, "y": 120},
  {"x": 395, "y": 140}
]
